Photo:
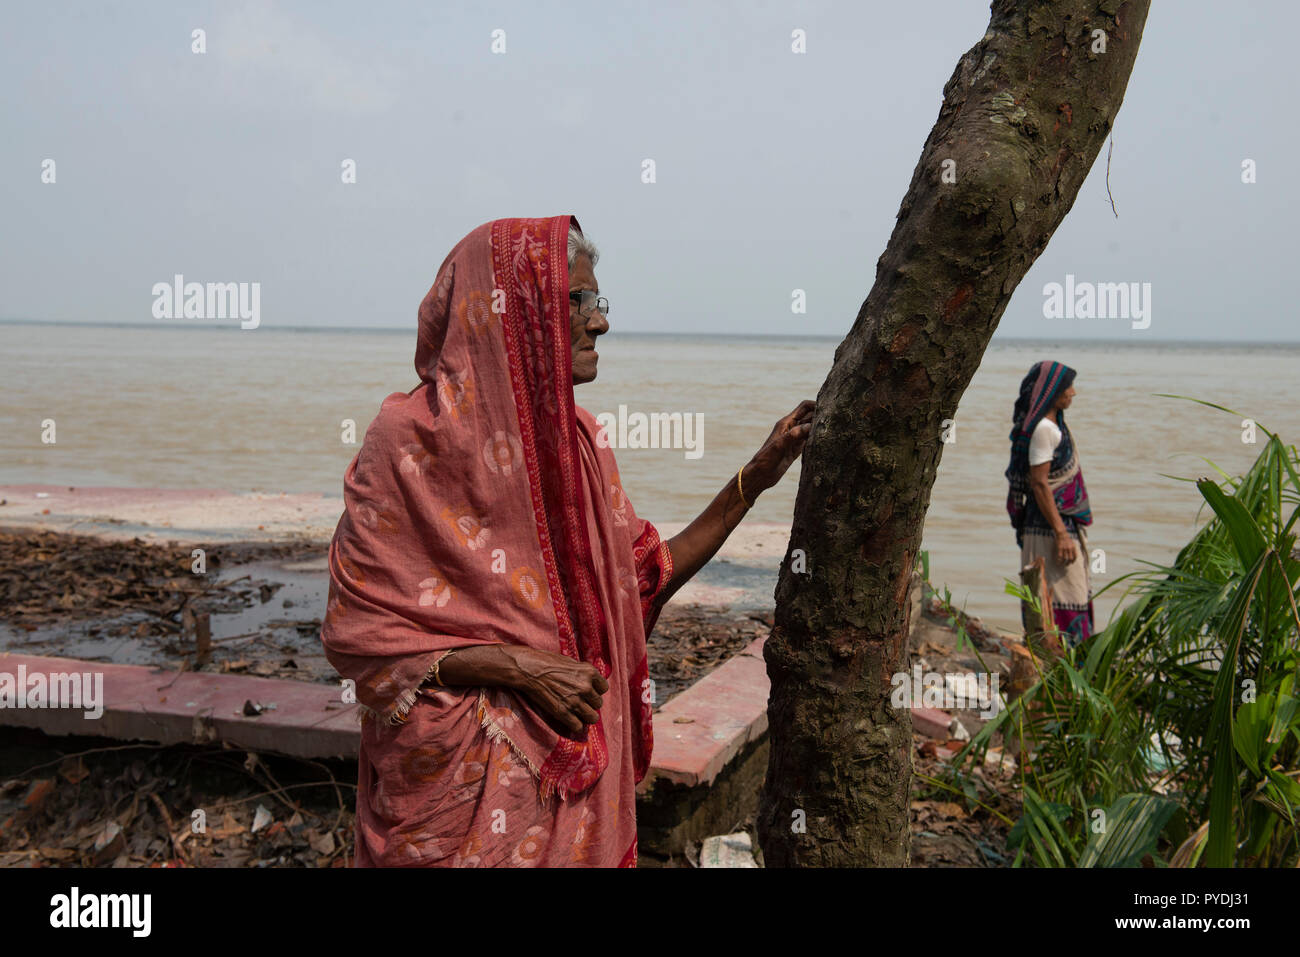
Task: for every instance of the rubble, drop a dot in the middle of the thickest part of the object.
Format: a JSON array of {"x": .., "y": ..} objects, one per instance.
[
  {"x": 728, "y": 850},
  {"x": 148, "y": 806}
]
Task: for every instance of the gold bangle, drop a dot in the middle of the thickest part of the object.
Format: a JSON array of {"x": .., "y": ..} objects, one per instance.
[{"x": 741, "y": 489}]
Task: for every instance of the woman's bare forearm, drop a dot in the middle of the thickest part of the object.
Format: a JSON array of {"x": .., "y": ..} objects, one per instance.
[
  {"x": 480, "y": 666},
  {"x": 567, "y": 692},
  {"x": 1047, "y": 505},
  {"x": 698, "y": 542}
]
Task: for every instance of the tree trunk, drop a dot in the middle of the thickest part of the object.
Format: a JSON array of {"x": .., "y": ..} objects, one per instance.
[
  {"x": 1041, "y": 635},
  {"x": 1022, "y": 120}
]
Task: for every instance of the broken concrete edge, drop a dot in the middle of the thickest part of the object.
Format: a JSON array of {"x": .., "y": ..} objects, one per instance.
[
  {"x": 931, "y": 722},
  {"x": 704, "y": 727},
  {"x": 141, "y": 703},
  {"x": 670, "y": 817}
]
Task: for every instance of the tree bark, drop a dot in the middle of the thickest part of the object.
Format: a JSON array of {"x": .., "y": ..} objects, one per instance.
[{"x": 1023, "y": 118}]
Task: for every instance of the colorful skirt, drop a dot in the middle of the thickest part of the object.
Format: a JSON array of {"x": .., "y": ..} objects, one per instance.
[{"x": 1070, "y": 585}]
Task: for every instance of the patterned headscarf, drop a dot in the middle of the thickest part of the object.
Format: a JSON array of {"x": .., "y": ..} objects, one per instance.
[{"x": 1038, "y": 390}]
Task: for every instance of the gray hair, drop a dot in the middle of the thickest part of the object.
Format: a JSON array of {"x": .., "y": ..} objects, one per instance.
[{"x": 580, "y": 245}]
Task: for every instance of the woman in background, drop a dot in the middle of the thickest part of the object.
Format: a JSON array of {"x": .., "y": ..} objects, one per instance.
[{"x": 1048, "y": 502}]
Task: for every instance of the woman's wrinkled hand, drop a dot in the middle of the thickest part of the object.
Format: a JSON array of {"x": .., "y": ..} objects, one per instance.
[
  {"x": 566, "y": 692},
  {"x": 782, "y": 447}
]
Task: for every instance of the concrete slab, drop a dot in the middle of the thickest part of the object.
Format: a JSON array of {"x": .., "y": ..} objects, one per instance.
[
  {"x": 696, "y": 733},
  {"x": 704, "y": 727},
  {"x": 147, "y": 704}
]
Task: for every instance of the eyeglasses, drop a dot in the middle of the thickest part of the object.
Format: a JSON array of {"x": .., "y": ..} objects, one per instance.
[{"x": 587, "y": 300}]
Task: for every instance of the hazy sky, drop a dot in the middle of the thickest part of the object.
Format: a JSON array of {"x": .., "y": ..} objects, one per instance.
[{"x": 775, "y": 171}]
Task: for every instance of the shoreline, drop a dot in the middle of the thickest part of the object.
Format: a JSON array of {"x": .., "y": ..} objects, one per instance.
[
  {"x": 189, "y": 516},
  {"x": 183, "y": 516},
  {"x": 741, "y": 576}
]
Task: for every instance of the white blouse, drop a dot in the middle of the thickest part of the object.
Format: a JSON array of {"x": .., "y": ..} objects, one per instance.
[{"x": 1043, "y": 443}]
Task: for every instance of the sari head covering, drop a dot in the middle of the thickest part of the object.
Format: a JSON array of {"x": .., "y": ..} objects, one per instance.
[
  {"x": 1038, "y": 391},
  {"x": 481, "y": 509}
]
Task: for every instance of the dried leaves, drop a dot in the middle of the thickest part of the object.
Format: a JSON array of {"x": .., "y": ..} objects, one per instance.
[
  {"x": 689, "y": 642},
  {"x": 102, "y": 809},
  {"x": 136, "y": 602},
  {"x": 50, "y": 576}
]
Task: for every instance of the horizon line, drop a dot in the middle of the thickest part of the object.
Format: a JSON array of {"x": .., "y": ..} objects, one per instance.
[{"x": 212, "y": 326}]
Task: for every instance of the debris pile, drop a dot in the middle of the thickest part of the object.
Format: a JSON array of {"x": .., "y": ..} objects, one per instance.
[
  {"x": 146, "y": 806},
  {"x": 50, "y": 576},
  {"x": 135, "y": 602},
  {"x": 950, "y": 829}
]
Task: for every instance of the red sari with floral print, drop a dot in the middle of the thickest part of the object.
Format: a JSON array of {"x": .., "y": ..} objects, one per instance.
[{"x": 481, "y": 509}]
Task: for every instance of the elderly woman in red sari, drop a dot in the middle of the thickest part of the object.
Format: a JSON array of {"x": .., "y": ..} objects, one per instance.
[{"x": 491, "y": 586}]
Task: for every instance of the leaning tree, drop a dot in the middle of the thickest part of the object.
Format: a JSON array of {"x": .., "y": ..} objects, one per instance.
[{"x": 1023, "y": 118}]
